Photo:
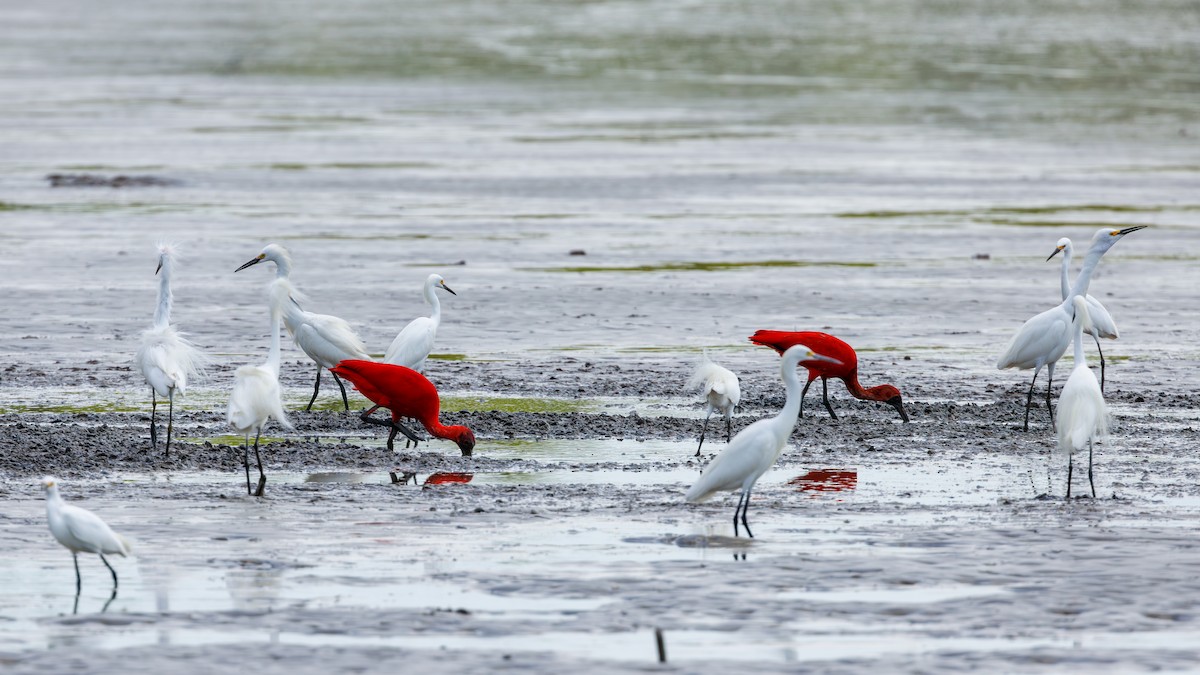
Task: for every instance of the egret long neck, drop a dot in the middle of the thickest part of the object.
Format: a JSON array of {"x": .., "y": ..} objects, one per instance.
[
  {"x": 162, "y": 313},
  {"x": 791, "y": 406},
  {"x": 1084, "y": 279},
  {"x": 273, "y": 356},
  {"x": 432, "y": 298},
  {"x": 1065, "y": 282}
]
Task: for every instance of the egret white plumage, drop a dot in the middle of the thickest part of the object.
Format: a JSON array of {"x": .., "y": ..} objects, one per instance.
[
  {"x": 256, "y": 395},
  {"x": 1082, "y": 413},
  {"x": 414, "y": 342},
  {"x": 1042, "y": 340},
  {"x": 326, "y": 339},
  {"x": 721, "y": 393},
  {"x": 1100, "y": 323},
  {"x": 81, "y": 531},
  {"x": 754, "y": 449},
  {"x": 165, "y": 357}
]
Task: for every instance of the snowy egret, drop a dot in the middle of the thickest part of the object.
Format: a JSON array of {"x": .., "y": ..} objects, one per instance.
[
  {"x": 1043, "y": 339},
  {"x": 406, "y": 393},
  {"x": 324, "y": 338},
  {"x": 721, "y": 392},
  {"x": 256, "y": 396},
  {"x": 165, "y": 358},
  {"x": 81, "y": 531},
  {"x": 1100, "y": 323},
  {"x": 846, "y": 368},
  {"x": 1082, "y": 413},
  {"x": 755, "y": 448},
  {"x": 413, "y": 344}
]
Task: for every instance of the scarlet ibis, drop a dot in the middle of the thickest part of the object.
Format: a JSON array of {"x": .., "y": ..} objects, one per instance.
[
  {"x": 1082, "y": 413},
  {"x": 324, "y": 338},
  {"x": 846, "y": 369},
  {"x": 81, "y": 531},
  {"x": 1043, "y": 339},
  {"x": 406, "y": 393},
  {"x": 255, "y": 400},
  {"x": 413, "y": 344},
  {"x": 1100, "y": 323},
  {"x": 755, "y": 448},
  {"x": 721, "y": 392},
  {"x": 166, "y": 358}
]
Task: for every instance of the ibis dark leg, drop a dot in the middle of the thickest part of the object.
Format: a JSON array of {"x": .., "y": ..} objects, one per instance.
[
  {"x": 1101, "y": 363},
  {"x": 170, "y": 418},
  {"x": 78, "y": 579},
  {"x": 802, "y": 394},
  {"x": 262, "y": 477},
  {"x": 345, "y": 400},
  {"x": 825, "y": 397},
  {"x": 316, "y": 388},
  {"x": 110, "y": 569},
  {"x": 366, "y": 417},
  {"x": 153, "y": 419},
  {"x": 392, "y": 438},
  {"x": 703, "y": 431}
]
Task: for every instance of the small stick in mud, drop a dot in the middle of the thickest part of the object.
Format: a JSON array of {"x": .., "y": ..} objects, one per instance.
[{"x": 662, "y": 645}]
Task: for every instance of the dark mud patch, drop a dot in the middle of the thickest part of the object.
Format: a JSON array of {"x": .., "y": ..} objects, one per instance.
[{"x": 95, "y": 180}]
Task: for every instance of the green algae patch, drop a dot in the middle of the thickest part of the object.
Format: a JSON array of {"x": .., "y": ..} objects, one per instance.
[
  {"x": 69, "y": 409},
  {"x": 517, "y": 404},
  {"x": 448, "y": 357},
  {"x": 701, "y": 266},
  {"x": 237, "y": 441}
]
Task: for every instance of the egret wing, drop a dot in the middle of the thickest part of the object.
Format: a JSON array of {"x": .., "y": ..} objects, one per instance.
[{"x": 413, "y": 344}]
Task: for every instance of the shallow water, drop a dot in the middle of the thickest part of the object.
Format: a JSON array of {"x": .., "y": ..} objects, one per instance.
[{"x": 891, "y": 172}]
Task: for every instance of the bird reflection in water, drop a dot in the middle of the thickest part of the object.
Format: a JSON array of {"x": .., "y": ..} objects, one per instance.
[
  {"x": 826, "y": 480},
  {"x": 401, "y": 477}
]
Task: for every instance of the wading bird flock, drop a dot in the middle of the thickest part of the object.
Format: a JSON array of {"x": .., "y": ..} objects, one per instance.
[{"x": 168, "y": 361}]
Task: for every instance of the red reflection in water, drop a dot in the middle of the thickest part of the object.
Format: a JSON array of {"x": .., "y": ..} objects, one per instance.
[
  {"x": 827, "y": 480},
  {"x": 445, "y": 478}
]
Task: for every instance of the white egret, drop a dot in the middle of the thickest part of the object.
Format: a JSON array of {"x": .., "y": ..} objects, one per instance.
[
  {"x": 326, "y": 339},
  {"x": 754, "y": 449},
  {"x": 165, "y": 358},
  {"x": 1100, "y": 323},
  {"x": 81, "y": 531},
  {"x": 1082, "y": 413},
  {"x": 721, "y": 393},
  {"x": 256, "y": 395},
  {"x": 415, "y": 341},
  {"x": 1042, "y": 340}
]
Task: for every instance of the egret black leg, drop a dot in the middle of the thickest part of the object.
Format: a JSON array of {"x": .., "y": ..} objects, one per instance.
[
  {"x": 109, "y": 601},
  {"x": 1049, "y": 389},
  {"x": 78, "y": 579},
  {"x": 170, "y": 418},
  {"x": 825, "y": 397},
  {"x": 703, "y": 431},
  {"x": 1029, "y": 398},
  {"x": 110, "y": 569},
  {"x": 246, "y": 461},
  {"x": 746, "y": 508},
  {"x": 1090, "y": 481},
  {"x": 728, "y": 427},
  {"x": 741, "y": 498},
  {"x": 1097, "y": 339},
  {"x": 1070, "y": 469},
  {"x": 802, "y": 394},
  {"x": 153, "y": 419},
  {"x": 262, "y": 477},
  {"x": 316, "y": 388},
  {"x": 345, "y": 400}
]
